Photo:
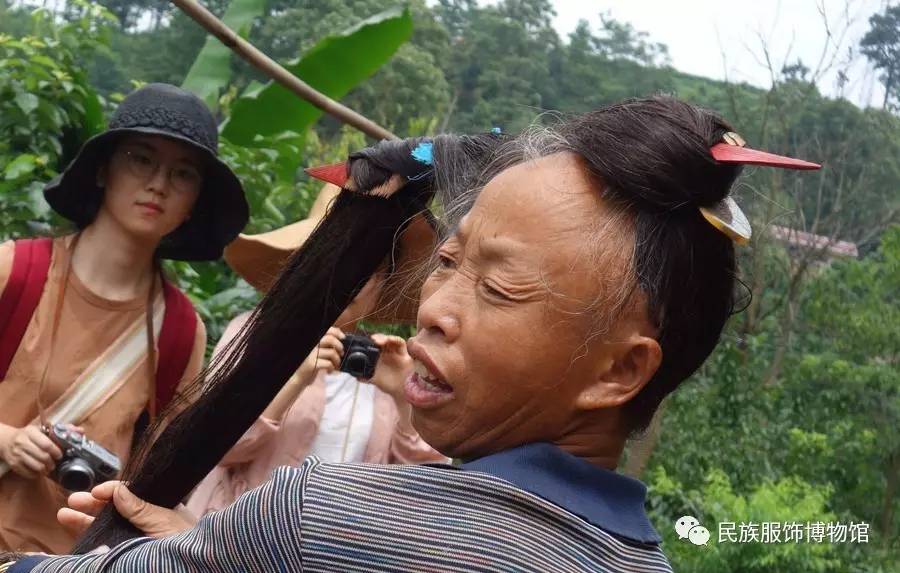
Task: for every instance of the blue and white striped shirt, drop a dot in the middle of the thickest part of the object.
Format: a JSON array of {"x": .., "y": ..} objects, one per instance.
[{"x": 532, "y": 508}]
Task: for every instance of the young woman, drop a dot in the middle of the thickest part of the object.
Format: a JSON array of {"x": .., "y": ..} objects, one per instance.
[
  {"x": 320, "y": 411},
  {"x": 107, "y": 339}
]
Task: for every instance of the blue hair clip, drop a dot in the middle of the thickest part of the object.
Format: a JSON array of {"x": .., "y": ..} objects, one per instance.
[{"x": 422, "y": 153}]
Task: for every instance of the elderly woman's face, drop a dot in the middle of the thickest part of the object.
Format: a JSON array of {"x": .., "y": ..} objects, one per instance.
[{"x": 504, "y": 349}]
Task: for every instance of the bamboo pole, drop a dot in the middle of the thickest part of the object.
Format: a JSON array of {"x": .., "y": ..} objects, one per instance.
[{"x": 277, "y": 72}]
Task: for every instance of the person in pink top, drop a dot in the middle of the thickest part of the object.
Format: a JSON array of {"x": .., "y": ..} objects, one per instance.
[{"x": 321, "y": 411}]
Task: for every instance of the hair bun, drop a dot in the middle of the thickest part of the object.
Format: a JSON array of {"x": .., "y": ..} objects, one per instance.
[
  {"x": 373, "y": 166},
  {"x": 655, "y": 152},
  {"x": 445, "y": 161}
]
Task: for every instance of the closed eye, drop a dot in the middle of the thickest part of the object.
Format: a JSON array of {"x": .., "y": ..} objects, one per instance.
[{"x": 495, "y": 293}]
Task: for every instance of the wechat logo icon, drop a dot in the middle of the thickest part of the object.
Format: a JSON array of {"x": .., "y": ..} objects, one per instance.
[{"x": 688, "y": 527}]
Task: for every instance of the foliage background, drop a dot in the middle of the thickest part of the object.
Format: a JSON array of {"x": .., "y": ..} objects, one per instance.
[{"x": 794, "y": 418}]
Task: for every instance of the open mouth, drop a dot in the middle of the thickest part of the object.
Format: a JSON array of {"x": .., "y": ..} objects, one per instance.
[{"x": 424, "y": 389}]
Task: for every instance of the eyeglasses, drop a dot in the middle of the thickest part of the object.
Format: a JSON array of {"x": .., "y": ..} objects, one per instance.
[{"x": 144, "y": 165}]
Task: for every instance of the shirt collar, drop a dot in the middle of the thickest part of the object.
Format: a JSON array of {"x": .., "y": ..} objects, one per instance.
[{"x": 609, "y": 500}]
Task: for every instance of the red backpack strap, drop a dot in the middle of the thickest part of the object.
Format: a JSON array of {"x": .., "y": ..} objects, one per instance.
[
  {"x": 21, "y": 295},
  {"x": 176, "y": 343}
]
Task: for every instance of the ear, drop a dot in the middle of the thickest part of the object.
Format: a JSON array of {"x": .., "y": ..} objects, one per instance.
[{"x": 622, "y": 375}]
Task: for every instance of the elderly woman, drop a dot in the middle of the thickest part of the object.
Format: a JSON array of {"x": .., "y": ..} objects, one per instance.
[{"x": 590, "y": 276}]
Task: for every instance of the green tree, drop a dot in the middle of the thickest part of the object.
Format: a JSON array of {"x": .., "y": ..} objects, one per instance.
[
  {"x": 14, "y": 22},
  {"x": 714, "y": 501},
  {"x": 409, "y": 87},
  {"x": 500, "y": 69},
  {"x": 830, "y": 424},
  {"x": 881, "y": 45},
  {"x": 619, "y": 40},
  {"x": 47, "y": 108},
  {"x": 851, "y": 327}
]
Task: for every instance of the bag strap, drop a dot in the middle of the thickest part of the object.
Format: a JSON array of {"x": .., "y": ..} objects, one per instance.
[
  {"x": 176, "y": 343},
  {"x": 21, "y": 295}
]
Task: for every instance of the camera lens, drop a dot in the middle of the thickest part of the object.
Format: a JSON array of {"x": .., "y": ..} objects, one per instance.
[
  {"x": 75, "y": 475},
  {"x": 357, "y": 363}
]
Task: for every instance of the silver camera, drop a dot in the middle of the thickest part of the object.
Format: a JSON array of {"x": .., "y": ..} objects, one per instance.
[{"x": 84, "y": 463}]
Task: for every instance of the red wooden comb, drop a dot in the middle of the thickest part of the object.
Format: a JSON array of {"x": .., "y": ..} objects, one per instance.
[
  {"x": 336, "y": 173},
  {"x": 728, "y": 153}
]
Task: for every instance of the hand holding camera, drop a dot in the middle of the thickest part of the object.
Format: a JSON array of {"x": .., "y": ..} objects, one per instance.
[
  {"x": 393, "y": 368},
  {"x": 326, "y": 356},
  {"x": 29, "y": 452},
  {"x": 380, "y": 359},
  {"x": 60, "y": 452}
]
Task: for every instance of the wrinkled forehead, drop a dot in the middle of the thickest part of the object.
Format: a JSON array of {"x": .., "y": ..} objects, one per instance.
[
  {"x": 550, "y": 214},
  {"x": 547, "y": 201}
]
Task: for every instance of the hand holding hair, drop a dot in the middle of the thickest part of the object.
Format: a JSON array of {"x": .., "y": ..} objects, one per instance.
[{"x": 152, "y": 520}]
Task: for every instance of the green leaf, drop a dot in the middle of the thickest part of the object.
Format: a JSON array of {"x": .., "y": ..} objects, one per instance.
[
  {"x": 94, "y": 122},
  {"x": 44, "y": 61},
  {"x": 287, "y": 147},
  {"x": 27, "y": 102},
  {"x": 37, "y": 204},
  {"x": 211, "y": 71},
  {"x": 274, "y": 211},
  {"x": 21, "y": 165},
  {"x": 334, "y": 66}
]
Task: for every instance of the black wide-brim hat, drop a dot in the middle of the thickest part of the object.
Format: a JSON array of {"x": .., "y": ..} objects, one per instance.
[{"x": 221, "y": 211}]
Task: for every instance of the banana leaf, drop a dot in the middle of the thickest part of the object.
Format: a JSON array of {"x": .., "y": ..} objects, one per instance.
[
  {"x": 334, "y": 66},
  {"x": 211, "y": 70}
]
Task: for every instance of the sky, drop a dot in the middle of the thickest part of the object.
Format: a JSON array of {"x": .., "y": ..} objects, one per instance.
[{"x": 699, "y": 32}]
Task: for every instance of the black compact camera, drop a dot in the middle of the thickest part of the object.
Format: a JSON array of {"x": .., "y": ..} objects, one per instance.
[
  {"x": 360, "y": 356},
  {"x": 84, "y": 463}
]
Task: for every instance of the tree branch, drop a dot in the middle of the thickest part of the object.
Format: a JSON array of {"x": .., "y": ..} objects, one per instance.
[{"x": 274, "y": 70}]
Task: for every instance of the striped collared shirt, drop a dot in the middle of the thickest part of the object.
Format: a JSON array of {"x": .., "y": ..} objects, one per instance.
[{"x": 532, "y": 508}]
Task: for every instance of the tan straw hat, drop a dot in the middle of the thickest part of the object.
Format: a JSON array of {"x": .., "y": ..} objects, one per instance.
[{"x": 260, "y": 258}]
